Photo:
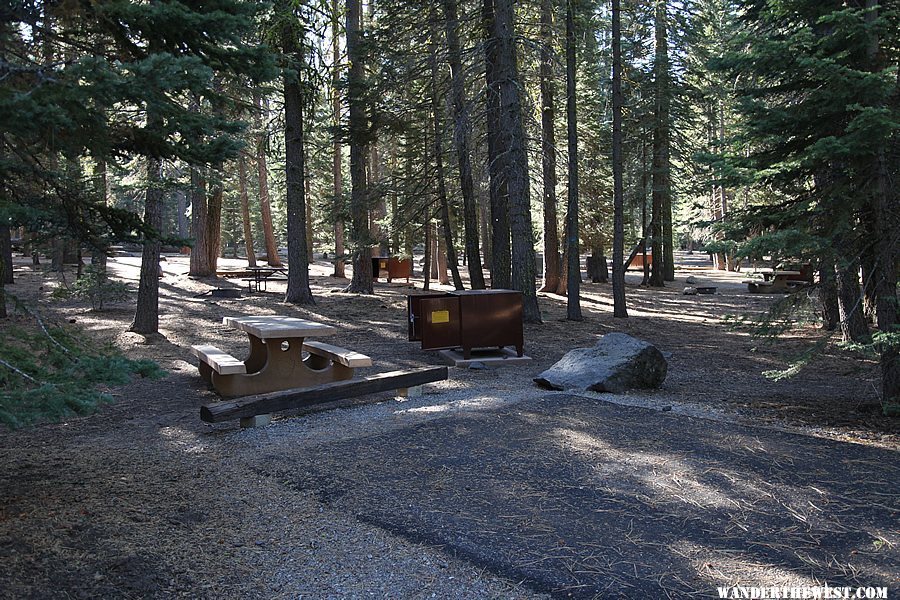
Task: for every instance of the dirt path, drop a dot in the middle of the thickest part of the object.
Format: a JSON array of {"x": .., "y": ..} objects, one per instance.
[{"x": 144, "y": 500}]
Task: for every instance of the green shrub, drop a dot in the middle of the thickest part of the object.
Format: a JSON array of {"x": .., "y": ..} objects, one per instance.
[
  {"x": 45, "y": 381},
  {"x": 95, "y": 286}
]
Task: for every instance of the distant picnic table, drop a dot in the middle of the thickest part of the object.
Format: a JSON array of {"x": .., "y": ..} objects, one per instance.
[
  {"x": 261, "y": 276},
  {"x": 775, "y": 281}
]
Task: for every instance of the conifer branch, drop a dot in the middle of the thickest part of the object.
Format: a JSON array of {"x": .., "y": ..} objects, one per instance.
[{"x": 21, "y": 373}]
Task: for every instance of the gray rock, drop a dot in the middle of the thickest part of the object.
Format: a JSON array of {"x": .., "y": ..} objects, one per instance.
[
  {"x": 617, "y": 362},
  {"x": 478, "y": 366},
  {"x": 691, "y": 280},
  {"x": 690, "y": 291}
]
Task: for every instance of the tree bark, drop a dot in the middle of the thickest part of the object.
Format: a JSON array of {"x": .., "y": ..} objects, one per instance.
[
  {"x": 146, "y": 314},
  {"x": 265, "y": 208},
  {"x": 499, "y": 192},
  {"x": 245, "y": 211},
  {"x": 461, "y": 136},
  {"x": 828, "y": 301},
  {"x": 426, "y": 266},
  {"x": 6, "y": 255},
  {"x": 298, "y": 290},
  {"x": 887, "y": 232},
  {"x": 214, "y": 218},
  {"x": 548, "y": 152},
  {"x": 336, "y": 168},
  {"x": 359, "y": 210},
  {"x": 514, "y": 161},
  {"x": 661, "y": 183},
  {"x": 438, "y": 148},
  {"x": 573, "y": 297},
  {"x": 5, "y": 270},
  {"x": 618, "y": 275},
  {"x": 199, "y": 263},
  {"x": 441, "y": 263},
  {"x": 853, "y": 322}
]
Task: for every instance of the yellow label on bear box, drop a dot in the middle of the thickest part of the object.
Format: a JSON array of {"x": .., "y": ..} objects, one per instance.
[{"x": 440, "y": 316}]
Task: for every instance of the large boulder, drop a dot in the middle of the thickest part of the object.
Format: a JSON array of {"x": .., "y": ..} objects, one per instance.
[{"x": 617, "y": 362}]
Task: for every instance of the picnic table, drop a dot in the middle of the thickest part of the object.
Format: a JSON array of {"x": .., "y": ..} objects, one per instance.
[
  {"x": 285, "y": 371},
  {"x": 775, "y": 281},
  {"x": 279, "y": 358},
  {"x": 260, "y": 276}
]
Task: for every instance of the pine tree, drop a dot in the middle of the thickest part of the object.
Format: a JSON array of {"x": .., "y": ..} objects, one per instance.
[
  {"x": 618, "y": 274},
  {"x": 573, "y": 254},
  {"x": 820, "y": 105},
  {"x": 358, "y": 137}
]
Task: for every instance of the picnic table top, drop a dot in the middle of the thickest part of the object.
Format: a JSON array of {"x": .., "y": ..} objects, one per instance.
[
  {"x": 265, "y": 327},
  {"x": 787, "y": 273},
  {"x": 270, "y": 269}
]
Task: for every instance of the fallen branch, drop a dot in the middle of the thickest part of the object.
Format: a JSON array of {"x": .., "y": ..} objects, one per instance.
[
  {"x": 37, "y": 318},
  {"x": 23, "y": 374}
]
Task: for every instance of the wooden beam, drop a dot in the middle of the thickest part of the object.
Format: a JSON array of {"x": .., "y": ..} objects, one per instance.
[
  {"x": 634, "y": 253},
  {"x": 261, "y": 404}
]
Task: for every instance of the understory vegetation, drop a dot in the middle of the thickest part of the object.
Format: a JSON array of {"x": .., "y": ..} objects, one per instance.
[{"x": 48, "y": 373}]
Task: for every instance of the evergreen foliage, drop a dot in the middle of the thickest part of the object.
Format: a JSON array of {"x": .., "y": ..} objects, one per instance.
[
  {"x": 48, "y": 377},
  {"x": 96, "y": 287}
]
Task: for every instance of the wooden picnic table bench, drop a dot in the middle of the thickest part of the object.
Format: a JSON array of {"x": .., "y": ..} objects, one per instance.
[{"x": 263, "y": 275}]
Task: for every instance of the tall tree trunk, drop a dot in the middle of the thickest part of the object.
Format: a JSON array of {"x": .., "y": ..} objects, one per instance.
[
  {"x": 853, "y": 322},
  {"x": 563, "y": 288},
  {"x": 214, "y": 217},
  {"x": 181, "y": 222},
  {"x": 664, "y": 101},
  {"x": 5, "y": 270},
  {"x": 484, "y": 214},
  {"x": 265, "y": 208},
  {"x": 644, "y": 181},
  {"x": 146, "y": 314},
  {"x": 868, "y": 264},
  {"x": 437, "y": 140},
  {"x": 828, "y": 300},
  {"x": 6, "y": 255},
  {"x": 99, "y": 248},
  {"x": 514, "y": 161},
  {"x": 298, "y": 291},
  {"x": 500, "y": 244},
  {"x": 548, "y": 152},
  {"x": 245, "y": 211},
  {"x": 359, "y": 210},
  {"x": 461, "y": 133},
  {"x": 885, "y": 248},
  {"x": 336, "y": 172},
  {"x": 199, "y": 263},
  {"x": 426, "y": 266},
  {"x": 661, "y": 184},
  {"x": 442, "y": 262},
  {"x": 618, "y": 274},
  {"x": 573, "y": 297}
]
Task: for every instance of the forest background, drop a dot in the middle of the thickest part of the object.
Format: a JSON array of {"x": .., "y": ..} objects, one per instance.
[{"x": 473, "y": 132}]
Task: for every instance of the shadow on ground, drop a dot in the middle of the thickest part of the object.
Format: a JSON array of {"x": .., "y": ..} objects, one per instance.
[{"x": 580, "y": 498}]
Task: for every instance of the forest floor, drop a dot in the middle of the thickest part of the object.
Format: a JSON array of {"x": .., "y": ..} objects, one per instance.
[{"x": 484, "y": 486}]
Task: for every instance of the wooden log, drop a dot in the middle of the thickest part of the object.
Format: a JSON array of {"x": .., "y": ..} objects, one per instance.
[{"x": 261, "y": 404}]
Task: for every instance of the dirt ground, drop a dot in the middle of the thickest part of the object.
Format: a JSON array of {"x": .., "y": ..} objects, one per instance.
[{"x": 144, "y": 500}]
